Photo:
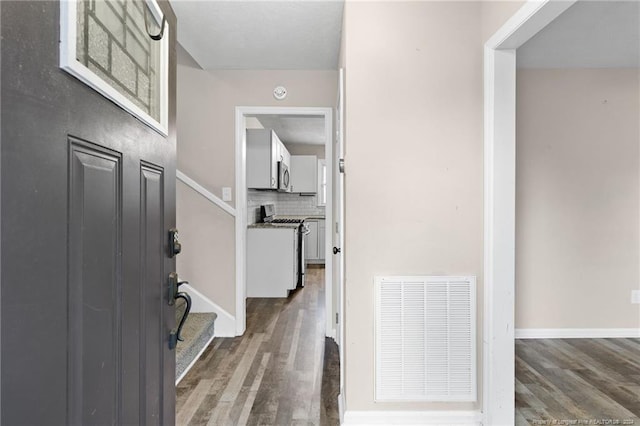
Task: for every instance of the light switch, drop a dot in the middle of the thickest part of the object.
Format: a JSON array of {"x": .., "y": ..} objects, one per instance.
[
  {"x": 635, "y": 296},
  {"x": 226, "y": 193}
]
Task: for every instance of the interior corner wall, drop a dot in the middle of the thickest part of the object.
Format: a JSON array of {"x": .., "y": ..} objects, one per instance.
[
  {"x": 577, "y": 199},
  {"x": 206, "y": 153}
]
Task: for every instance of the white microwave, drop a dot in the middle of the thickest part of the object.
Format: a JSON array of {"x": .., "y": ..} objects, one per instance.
[{"x": 283, "y": 177}]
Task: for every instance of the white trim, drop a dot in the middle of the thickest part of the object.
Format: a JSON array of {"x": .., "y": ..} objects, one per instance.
[
  {"x": 192, "y": 363},
  {"x": 225, "y": 322},
  {"x": 241, "y": 205},
  {"x": 69, "y": 63},
  {"x": 449, "y": 418},
  {"x": 341, "y": 404},
  {"x": 241, "y": 221},
  {"x": 499, "y": 203},
  {"x": 340, "y": 212},
  {"x": 577, "y": 333},
  {"x": 205, "y": 193},
  {"x": 328, "y": 236},
  {"x": 333, "y": 334},
  {"x": 532, "y": 17}
]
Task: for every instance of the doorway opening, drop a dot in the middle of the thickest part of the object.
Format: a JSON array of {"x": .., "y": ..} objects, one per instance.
[
  {"x": 500, "y": 207},
  {"x": 247, "y": 117}
]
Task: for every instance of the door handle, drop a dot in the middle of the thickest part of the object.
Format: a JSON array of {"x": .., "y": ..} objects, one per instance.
[
  {"x": 336, "y": 250},
  {"x": 173, "y": 288},
  {"x": 176, "y": 335},
  {"x": 174, "y": 295}
]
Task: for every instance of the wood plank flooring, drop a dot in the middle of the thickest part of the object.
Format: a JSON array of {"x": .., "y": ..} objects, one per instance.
[
  {"x": 273, "y": 375},
  {"x": 586, "y": 381}
]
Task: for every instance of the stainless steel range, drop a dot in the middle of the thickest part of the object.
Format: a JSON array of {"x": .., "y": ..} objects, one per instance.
[{"x": 267, "y": 214}]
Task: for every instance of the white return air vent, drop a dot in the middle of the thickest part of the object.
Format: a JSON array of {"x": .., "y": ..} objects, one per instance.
[{"x": 425, "y": 338}]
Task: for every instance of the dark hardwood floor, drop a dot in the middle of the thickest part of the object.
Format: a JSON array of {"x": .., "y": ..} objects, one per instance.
[
  {"x": 273, "y": 375},
  {"x": 589, "y": 381}
]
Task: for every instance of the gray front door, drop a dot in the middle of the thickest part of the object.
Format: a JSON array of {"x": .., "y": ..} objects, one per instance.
[{"x": 88, "y": 196}]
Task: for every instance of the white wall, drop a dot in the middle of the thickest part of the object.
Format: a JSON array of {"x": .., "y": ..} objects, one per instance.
[
  {"x": 414, "y": 155},
  {"x": 578, "y": 189},
  {"x": 206, "y": 153}
]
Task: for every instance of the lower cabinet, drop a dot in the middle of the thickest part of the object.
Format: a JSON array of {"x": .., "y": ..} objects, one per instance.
[
  {"x": 272, "y": 265},
  {"x": 314, "y": 244}
]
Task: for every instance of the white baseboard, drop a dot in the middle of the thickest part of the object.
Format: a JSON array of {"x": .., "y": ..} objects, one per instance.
[
  {"x": 440, "y": 418},
  {"x": 576, "y": 333},
  {"x": 225, "y": 322},
  {"x": 341, "y": 407}
]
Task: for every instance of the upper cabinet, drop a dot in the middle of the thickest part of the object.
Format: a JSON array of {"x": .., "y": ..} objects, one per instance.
[
  {"x": 304, "y": 174},
  {"x": 264, "y": 151},
  {"x": 283, "y": 153}
]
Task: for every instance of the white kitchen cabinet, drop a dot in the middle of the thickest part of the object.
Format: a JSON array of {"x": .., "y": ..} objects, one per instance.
[
  {"x": 304, "y": 174},
  {"x": 272, "y": 266},
  {"x": 283, "y": 153},
  {"x": 314, "y": 243},
  {"x": 262, "y": 159}
]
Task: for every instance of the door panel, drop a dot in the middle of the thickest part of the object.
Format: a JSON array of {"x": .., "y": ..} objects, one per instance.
[
  {"x": 85, "y": 318},
  {"x": 154, "y": 292},
  {"x": 95, "y": 302}
]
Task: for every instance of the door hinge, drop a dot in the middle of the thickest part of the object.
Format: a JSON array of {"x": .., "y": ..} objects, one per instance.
[
  {"x": 337, "y": 318},
  {"x": 341, "y": 165},
  {"x": 337, "y": 229}
]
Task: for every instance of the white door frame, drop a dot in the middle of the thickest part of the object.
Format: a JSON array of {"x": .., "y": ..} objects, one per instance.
[
  {"x": 499, "y": 203},
  {"x": 339, "y": 228},
  {"x": 241, "y": 207}
]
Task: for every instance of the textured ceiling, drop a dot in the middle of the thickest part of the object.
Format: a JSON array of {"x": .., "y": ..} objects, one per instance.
[
  {"x": 294, "y": 34},
  {"x": 296, "y": 129},
  {"x": 590, "y": 34}
]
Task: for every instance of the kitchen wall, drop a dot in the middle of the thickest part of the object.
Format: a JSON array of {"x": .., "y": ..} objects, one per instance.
[
  {"x": 206, "y": 153},
  {"x": 414, "y": 157},
  {"x": 285, "y": 204},
  {"x": 578, "y": 190}
]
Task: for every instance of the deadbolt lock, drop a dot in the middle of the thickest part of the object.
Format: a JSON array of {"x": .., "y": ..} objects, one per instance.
[{"x": 174, "y": 244}]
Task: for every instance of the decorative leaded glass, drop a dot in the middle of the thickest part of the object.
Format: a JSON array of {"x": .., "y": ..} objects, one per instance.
[{"x": 114, "y": 42}]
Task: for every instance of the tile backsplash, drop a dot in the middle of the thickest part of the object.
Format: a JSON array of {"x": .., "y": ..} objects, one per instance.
[{"x": 285, "y": 203}]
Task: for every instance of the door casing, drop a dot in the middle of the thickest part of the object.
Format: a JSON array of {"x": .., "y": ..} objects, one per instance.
[{"x": 498, "y": 395}]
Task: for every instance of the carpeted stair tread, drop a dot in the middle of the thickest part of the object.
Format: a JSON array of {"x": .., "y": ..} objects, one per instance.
[{"x": 197, "y": 331}]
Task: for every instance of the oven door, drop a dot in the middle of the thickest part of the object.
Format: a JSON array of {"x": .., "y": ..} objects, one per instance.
[{"x": 283, "y": 177}]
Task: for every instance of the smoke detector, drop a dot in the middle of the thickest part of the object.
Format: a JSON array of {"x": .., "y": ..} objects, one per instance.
[{"x": 280, "y": 93}]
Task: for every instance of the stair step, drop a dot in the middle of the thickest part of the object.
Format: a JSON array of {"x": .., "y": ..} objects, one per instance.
[{"x": 197, "y": 331}]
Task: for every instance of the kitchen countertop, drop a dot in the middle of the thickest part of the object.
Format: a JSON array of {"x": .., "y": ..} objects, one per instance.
[
  {"x": 299, "y": 217},
  {"x": 285, "y": 225},
  {"x": 273, "y": 226}
]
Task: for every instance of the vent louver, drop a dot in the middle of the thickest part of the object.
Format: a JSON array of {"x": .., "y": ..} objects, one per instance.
[{"x": 426, "y": 338}]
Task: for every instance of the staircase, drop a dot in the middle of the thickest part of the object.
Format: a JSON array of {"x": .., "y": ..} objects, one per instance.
[{"x": 197, "y": 333}]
